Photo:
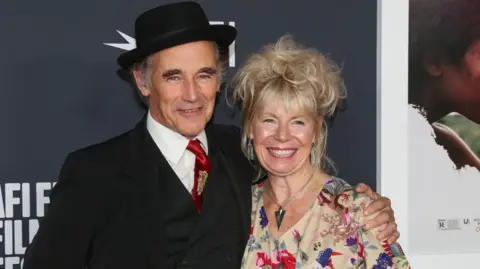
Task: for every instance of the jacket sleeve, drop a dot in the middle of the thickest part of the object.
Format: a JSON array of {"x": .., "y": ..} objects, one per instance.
[{"x": 65, "y": 233}]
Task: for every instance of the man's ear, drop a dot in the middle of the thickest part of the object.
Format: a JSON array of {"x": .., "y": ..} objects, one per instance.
[
  {"x": 142, "y": 85},
  {"x": 472, "y": 59}
]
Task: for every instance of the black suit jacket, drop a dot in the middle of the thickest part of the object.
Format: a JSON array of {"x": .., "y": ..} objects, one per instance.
[{"x": 106, "y": 208}]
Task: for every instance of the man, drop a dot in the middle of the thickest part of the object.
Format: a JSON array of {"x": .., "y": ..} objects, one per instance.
[
  {"x": 444, "y": 70},
  {"x": 151, "y": 203}
]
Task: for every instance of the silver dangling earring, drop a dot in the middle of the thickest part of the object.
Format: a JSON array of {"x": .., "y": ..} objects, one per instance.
[
  {"x": 250, "y": 150},
  {"x": 313, "y": 154}
]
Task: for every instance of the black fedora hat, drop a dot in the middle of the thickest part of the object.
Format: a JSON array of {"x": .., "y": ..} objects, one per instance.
[{"x": 171, "y": 25}]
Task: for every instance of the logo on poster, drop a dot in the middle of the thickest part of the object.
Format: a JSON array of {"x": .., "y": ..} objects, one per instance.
[
  {"x": 131, "y": 43},
  {"x": 477, "y": 224},
  {"x": 457, "y": 224},
  {"x": 449, "y": 224}
]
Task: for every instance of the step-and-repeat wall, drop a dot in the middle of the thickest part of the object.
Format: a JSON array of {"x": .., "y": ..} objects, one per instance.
[{"x": 60, "y": 89}]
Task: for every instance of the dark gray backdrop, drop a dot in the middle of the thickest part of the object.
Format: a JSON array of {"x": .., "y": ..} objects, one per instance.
[{"x": 59, "y": 89}]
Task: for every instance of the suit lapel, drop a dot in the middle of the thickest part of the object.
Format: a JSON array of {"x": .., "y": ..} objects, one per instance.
[
  {"x": 242, "y": 195},
  {"x": 223, "y": 172},
  {"x": 238, "y": 174},
  {"x": 144, "y": 164},
  {"x": 212, "y": 193}
]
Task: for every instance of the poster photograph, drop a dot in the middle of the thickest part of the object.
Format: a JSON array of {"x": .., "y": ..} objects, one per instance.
[{"x": 444, "y": 126}]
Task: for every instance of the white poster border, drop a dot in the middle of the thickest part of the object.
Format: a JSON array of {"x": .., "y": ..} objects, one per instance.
[{"x": 392, "y": 124}]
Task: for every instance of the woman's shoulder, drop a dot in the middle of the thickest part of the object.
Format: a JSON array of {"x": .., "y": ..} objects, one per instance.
[
  {"x": 335, "y": 186},
  {"x": 341, "y": 195}
]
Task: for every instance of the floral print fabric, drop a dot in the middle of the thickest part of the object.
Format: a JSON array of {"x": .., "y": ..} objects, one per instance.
[{"x": 330, "y": 235}]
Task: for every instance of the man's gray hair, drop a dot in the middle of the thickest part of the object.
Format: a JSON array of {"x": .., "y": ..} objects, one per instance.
[{"x": 144, "y": 68}]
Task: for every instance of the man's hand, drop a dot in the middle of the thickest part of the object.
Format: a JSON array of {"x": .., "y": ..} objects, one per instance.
[{"x": 385, "y": 219}]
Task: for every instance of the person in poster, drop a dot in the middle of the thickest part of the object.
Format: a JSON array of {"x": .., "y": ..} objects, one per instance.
[
  {"x": 444, "y": 73},
  {"x": 443, "y": 127}
]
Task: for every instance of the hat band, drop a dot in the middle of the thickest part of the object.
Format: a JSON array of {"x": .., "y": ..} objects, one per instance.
[{"x": 163, "y": 36}]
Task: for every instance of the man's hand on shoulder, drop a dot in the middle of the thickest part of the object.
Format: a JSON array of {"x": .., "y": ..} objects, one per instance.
[{"x": 385, "y": 218}]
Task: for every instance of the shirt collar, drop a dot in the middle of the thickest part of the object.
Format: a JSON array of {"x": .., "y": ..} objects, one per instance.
[{"x": 171, "y": 144}]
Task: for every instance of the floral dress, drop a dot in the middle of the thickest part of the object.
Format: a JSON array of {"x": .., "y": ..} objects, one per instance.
[{"x": 329, "y": 235}]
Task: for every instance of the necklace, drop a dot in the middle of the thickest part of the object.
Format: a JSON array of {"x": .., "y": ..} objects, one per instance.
[{"x": 280, "y": 213}]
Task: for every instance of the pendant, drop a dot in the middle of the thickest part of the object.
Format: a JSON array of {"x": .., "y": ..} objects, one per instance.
[
  {"x": 202, "y": 180},
  {"x": 279, "y": 214}
]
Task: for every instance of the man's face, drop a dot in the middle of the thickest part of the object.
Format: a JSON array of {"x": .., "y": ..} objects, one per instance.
[{"x": 184, "y": 82}]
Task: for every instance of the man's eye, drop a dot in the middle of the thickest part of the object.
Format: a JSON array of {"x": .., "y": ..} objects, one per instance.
[
  {"x": 205, "y": 76},
  {"x": 173, "y": 78}
]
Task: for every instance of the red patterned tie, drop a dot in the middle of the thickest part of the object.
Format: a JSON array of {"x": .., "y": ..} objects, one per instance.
[{"x": 202, "y": 167}]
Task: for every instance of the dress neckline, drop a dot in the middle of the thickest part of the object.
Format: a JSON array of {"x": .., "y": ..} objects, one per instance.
[{"x": 261, "y": 206}]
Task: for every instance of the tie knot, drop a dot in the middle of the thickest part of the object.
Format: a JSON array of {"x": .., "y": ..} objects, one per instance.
[{"x": 195, "y": 147}]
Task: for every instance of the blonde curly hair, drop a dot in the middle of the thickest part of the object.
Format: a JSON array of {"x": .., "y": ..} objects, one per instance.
[{"x": 302, "y": 77}]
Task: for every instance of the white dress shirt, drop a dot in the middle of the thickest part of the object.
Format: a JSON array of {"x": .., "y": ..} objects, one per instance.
[{"x": 174, "y": 147}]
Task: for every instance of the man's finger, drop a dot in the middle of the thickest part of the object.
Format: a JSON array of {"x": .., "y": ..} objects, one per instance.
[
  {"x": 392, "y": 239},
  {"x": 377, "y": 205},
  {"x": 382, "y": 218},
  {"x": 361, "y": 187},
  {"x": 389, "y": 231},
  {"x": 365, "y": 189},
  {"x": 388, "y": 202},
  {"x": 375, "y": 196}
]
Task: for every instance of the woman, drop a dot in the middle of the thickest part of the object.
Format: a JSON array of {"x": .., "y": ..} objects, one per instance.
[{"x": 301, "y": 216}]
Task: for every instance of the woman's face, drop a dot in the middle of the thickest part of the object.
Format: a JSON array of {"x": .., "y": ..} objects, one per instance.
[{"x": 283, "y": 138}]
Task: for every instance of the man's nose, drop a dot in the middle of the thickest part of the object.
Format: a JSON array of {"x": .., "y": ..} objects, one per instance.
[{"x": 190, "y": 91}]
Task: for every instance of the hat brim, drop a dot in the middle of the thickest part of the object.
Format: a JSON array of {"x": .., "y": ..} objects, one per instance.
[{"x": 223, "y": 35}]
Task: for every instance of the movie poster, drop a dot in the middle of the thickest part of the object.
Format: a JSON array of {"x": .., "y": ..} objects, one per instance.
[{"x": 443, "y": 123}]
